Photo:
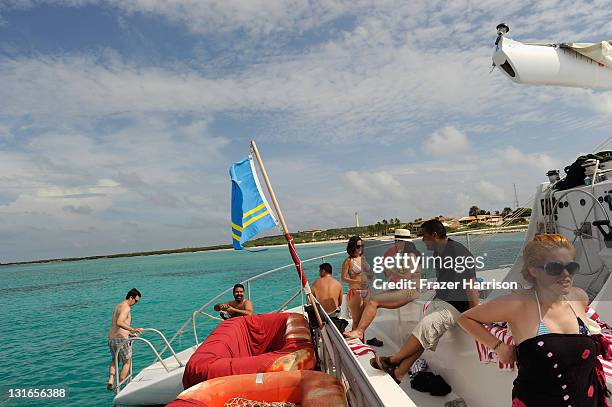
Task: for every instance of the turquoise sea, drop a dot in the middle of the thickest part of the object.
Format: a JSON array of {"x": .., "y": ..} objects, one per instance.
[{"x": 55, "y": 316}]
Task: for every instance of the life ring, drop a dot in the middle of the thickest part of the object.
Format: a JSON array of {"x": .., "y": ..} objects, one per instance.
[{"x": 304, "y": 388}]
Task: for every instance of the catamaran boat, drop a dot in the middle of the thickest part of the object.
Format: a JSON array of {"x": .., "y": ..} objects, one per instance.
[{"x": 579, "y": 211}]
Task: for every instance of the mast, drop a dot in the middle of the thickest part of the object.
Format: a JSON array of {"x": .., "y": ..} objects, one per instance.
[
  {"x": 516, "y": 203},
  {"x": 292, "y": 250}
]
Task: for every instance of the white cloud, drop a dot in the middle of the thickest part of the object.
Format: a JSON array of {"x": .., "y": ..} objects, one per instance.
[
  {"x": 77, "y": 210},
  {"x": 514, "y": 158},
  {"x": 378, "y": 185},
  {"x": 493, "y": 192},
  {"x": 390, "y": 72},
  {"x": 447, "y": 141}
]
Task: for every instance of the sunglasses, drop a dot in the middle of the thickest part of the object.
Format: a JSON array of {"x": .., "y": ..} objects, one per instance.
[
  {"x": 358, "y": 246},
  {"x": 555, "y": 268}
]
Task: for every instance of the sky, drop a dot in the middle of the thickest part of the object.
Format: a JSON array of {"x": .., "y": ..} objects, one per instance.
[{"x": 119, "y": 120}]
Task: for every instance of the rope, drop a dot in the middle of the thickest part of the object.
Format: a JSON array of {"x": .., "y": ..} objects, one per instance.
[
  {"x": 206, "y": 314},
  {"x": 242, "y": 402},
  {"x": 527, "y": 204},
  {"x": 482, "y": 239},
  {"x": 602, "y": 144}
]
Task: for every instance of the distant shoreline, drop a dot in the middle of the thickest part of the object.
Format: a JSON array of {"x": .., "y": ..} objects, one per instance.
[
  {"x": 158, "y": 253},
  {"x": 227, "y": 247}
]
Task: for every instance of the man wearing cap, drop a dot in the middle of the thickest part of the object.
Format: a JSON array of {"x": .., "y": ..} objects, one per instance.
[{"x": 392, "y": 299}]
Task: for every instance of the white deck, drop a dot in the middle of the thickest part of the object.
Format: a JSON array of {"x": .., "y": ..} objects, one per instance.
[
  {"x": 455, "y": 359},
  {"x": 154, "y": 385}
]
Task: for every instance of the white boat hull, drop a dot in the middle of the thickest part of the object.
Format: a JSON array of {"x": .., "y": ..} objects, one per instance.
[
  {"x": 154, "y": 385},
  {"x": 549, "y": 65}
]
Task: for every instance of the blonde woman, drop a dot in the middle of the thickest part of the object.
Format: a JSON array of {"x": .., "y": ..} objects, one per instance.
[{"x": 555, "y": 352}]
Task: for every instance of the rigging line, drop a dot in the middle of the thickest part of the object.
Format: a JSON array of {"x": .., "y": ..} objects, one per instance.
[
  {"x": 483, "y": 239},
  {"x": 602, "y": 144},
  {"x": 509, "y": 219}
]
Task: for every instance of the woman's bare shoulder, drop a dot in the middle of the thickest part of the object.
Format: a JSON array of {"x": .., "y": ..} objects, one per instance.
[
  {"x": 578, "y": 295},
  {"x": 516, "y": 300}
]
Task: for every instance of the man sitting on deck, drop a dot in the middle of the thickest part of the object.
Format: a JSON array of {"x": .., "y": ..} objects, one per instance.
[
  {"x": 447, "y": 305},
  {"x": 328, "y": 290},
  {"x": 237, "y": 308}
]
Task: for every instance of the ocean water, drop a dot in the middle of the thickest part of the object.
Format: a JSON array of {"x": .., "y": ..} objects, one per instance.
[{"x": 56, "y": 316}]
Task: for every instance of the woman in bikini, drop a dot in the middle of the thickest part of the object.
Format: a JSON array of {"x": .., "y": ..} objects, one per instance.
[
  {"x": 556, "y": 353},
  {"x": 392, "y": 299},
  {"x": 355, "y": 272}
]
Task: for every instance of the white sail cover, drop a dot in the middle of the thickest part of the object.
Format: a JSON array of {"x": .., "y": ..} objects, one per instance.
[{"x": 600, "y": 51}]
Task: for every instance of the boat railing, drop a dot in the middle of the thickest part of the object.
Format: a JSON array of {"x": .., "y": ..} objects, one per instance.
[
  {"x": 248, "y": 283},
  {"x": 286, "y": 303},
  {"x": 249, "y": 289},
  {"x": 129, "y": 342},
  {"x": 337, "y": 359}
]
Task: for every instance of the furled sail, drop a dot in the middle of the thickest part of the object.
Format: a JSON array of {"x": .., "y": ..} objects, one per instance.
[
  {"x": 582, "y": 65},
  {"x": 599, "y": 52}
]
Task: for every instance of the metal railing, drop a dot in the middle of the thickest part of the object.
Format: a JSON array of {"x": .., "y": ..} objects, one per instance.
[
  {"x": 248, "y": 283},
  {"x": 284, "y": 306},
  {"x": 338, "y": 360},
  {"x": 249, "y": 289},
  {"x": 128, "y": 342}
]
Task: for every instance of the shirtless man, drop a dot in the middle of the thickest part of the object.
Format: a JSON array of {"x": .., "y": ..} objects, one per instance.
[
  {"x": 239, "y": 307},
  {"x": 327, "y": 289},
  {"x": 119, "y": 332}
]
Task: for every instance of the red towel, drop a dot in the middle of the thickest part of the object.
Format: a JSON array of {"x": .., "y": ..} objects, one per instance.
[{"x": 246, "y": 345}]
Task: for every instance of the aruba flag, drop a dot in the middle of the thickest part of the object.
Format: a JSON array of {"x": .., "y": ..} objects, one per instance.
[{"x": 251, "y": 213}]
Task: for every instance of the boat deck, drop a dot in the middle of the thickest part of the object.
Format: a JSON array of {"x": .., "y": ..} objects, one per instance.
[{"x": 155, "y": 385}]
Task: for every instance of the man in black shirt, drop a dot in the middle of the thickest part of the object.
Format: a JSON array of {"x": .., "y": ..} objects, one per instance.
[{"x": 454, "y": 265}]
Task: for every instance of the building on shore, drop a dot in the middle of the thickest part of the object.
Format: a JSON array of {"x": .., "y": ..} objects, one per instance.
[
  {"x": 313, "y": 231},
  {"x": 491, "y": 220}
]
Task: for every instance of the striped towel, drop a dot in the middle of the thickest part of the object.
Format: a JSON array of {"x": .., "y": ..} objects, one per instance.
[
  {"x": 359, "y": 349},
  {"x": 488, "y": 355},
  {"x": 606, "y": 331},
  {"x": 426, "y": 305}
]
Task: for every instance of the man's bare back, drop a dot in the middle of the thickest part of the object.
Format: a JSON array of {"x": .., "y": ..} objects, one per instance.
[{"x": 328, "y": 292}]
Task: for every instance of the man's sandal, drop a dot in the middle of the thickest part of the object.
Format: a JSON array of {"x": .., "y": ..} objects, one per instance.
[{"x": 384, "y": 363}]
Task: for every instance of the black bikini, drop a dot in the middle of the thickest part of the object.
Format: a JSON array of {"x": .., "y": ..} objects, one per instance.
[{"x": 556, "y": 369}]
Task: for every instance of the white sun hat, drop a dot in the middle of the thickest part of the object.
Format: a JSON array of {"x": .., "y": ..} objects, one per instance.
[{"x": 402, "y": 234}]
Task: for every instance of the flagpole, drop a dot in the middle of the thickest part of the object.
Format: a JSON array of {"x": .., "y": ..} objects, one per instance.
[{"x": 292, "y": 250}]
